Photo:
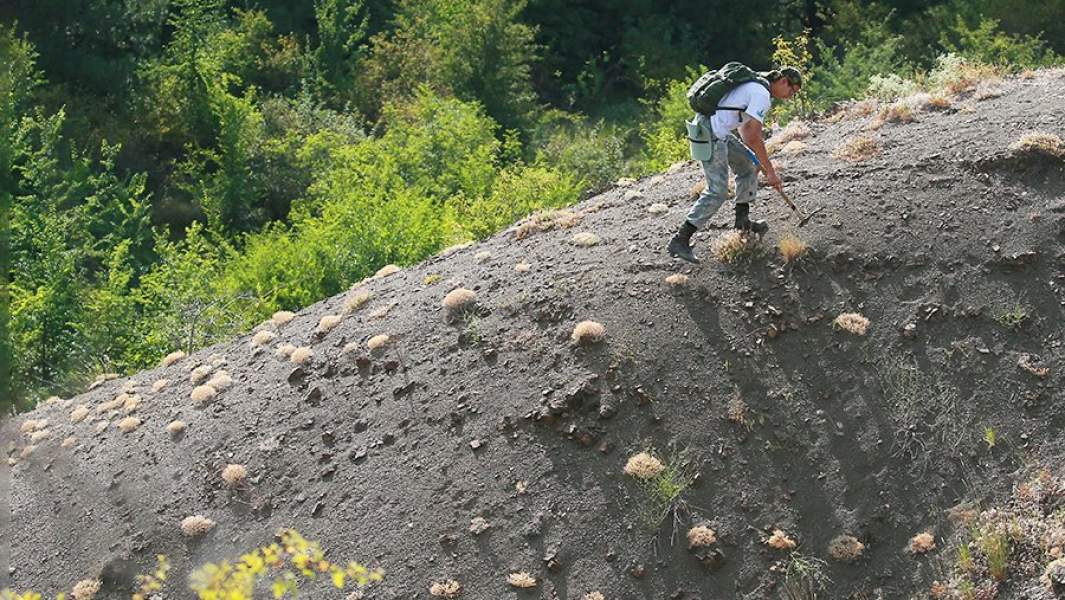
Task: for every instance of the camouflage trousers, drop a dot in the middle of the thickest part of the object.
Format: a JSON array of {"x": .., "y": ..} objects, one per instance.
[{"x": 726, "y": 153}]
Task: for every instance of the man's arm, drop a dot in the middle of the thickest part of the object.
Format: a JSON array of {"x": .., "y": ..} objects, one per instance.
[{"x": 751, "y": 133}]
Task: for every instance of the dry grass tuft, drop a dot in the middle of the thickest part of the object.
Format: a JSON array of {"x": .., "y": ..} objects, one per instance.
[
  {"x": 796, "y": 130},
  {"x": 1039, "y": 142},
  {"x": 792, "y": 148},
  {"x": 791, "y": 247},
  {"x": 851, "y": 322},
  {"x": 234, "y": 475},
  {"x": 27, "y": 452},
  {"x": 780, "y": 541},
  {"x": 53, "y": 400},
  {"x": 172, "y": 358},
  {"x": 546, "y": 221},
  {"x": 69, "y": 442},
  {"x": 479, "y": 525},
  {"x": 282, "y": 317},
  {"x": 377, "y": 341},
  {"x": 922, "y": 543},
  {"x": 203, "y": 394},
  {"x": 356, "y": 301},
  {"x": 39, "y": 436},
  {"x": 114, "y": 404},
  {"x": 587, "y": 333},
  {"x": 658, "y": 209},
  {"x": 221, "y": 381},
  {"x": 455, "y": 248},
  {"x": 897, "y": 112},
  {"x": 328, "y": 323},
  {"x": 445, "y": 589},
  {"x": 643, "y": 466},
  {"x": 521, "y": 580},
  {"x": 102, "y": 426},
  {"x": 86, "y": 589},
  {"x": 594, "y": 596},
  {"x": 459, "y": 299},
  {"x": 284, "y": 350},
  {"x": 160, "y": 385},
  {"x": 733, "y": 246},
  {"x": 386, "y": 270},
  {"x": 29, "y": 426},
  {"x": 857, "y": 149},
  {"x": 737, "y": 411},
  {"x": 78, "y": 414},
  {"x": 129, "y": 424},
  {"x": 176, "y": 428},
  {"x": 585, "y": 239},
  {"x": 701, "y": 536},
  {"x": 196, "y": 526},
  {"x": 522, "y": 267},
  {"x": 677, "y": 280},
  {"x": 131, "y": 404},
  {"x": 845, "y": 548},
  {"x": 302, "y": 355},
  {"x": 200, "y": 373},
  {"x": 939, "y": 101},
  {"x": 263, "y": 338},
  {"x": 482, "y": 256}
]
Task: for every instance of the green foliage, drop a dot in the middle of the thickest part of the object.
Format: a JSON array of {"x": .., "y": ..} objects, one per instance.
[
  {"x": 342, "y": 26},
  {"x": 594, "y": 153},
  {"x": 664, "y": 136},
  {"x": 986, "y": 43},
  {"x": 844, "y": 72}
]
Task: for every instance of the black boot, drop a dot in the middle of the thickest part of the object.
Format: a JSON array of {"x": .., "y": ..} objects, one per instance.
[
  {"x": 680, "y": 244},
  {"x": 744, "y": 223}
]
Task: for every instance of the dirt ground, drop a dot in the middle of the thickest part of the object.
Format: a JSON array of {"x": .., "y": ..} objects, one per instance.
[{"x": 946, "y": 240}]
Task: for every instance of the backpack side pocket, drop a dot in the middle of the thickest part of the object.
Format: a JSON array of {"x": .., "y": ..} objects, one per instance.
[{"x": 698, "y": 140}]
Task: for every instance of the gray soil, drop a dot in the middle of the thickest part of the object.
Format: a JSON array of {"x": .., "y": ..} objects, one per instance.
[{"x": 943, "y": 241}]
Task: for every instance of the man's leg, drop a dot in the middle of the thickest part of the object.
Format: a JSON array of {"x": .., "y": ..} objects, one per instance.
[
  {"x": 746, "y": 186},
  {"x": 716, "y": 172}
]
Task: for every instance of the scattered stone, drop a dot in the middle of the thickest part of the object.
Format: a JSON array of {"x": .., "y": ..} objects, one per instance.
[
  {"x": 658, "y": 209},
  {"x": 479, "y": 525}
]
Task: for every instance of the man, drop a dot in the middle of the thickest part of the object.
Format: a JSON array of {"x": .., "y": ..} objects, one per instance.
[{"x": 744, "y": 108}]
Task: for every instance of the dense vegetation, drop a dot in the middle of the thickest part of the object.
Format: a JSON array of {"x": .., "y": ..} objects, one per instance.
[{"x": 173, "y": 171}]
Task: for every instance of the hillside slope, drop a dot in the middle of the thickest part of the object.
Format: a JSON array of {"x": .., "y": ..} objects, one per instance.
[{"x": 946, "y": 240}]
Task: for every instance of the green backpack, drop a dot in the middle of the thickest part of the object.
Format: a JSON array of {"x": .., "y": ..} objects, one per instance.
[{"x": 707, "y": 91}]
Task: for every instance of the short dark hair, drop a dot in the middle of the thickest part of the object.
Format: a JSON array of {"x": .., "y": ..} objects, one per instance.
[{"x": 793, "y": 75}]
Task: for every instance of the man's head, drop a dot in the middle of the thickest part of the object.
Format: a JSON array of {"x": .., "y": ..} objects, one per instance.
[{"x": 784, "y": 82}]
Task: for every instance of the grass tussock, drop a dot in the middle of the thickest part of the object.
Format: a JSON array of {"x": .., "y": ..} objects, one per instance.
[
  {"x": 221, "y": 381},
  {"x": 587, "y": 333},
  {"x": 677, "y": 280},
  {"x": 546, "y": 221},
  {"x": 39, "y": 436},
  {"x": 356, "y": 301},
  {"x": 86, "y": 589},
  {"x": 172, "y": 358},
  {"x": 780, "y": 541},
  {"x": 78, "y": 414},
  {"x": 795, "y": 131},
  {"x": 482, "y": 256},
  {"x": 594, "y": 596},
  {"x": 792, "y": 148},
  {"x": 445, "y": 589},
  {"x": 102, "y": 426},
  {"x": 282, "y": 317},
  {"x": 328, "y": 323},
  {"x": 30, "y": 425},
  {"x": 176, "y": 428},
  {"x": 385, "y": 271},
  {"x": 522, "y": 267},
  {"x": 857, "y": 149},
  {"x": 377, "y": 342},
  {"x": 643, "y": 466},
  {"x": 733, "y": 247},
  {"x": 301, "y": 355},
  {"x": 200, "y": 373},
  {"x": 69, "y": 442},
  {"x": 585, "y": 239},
  {"x": 160, "y": 385},
  {"x": 1039, "y": 142},
  {"x": 922, "y": 543},
  {"x": 129, "y": 424},
  {"x": 234, "y": 475},
  {"x": 851, "y": 323},
  {"x": 263, "y": 338},
  {"x": 845, "y": 548},
  {"x": 203, "y": 394},
  {"x": 522, "y": 580},
  {"x": 284, "y": 351},
  {"x": 701, "y": 536},
  {"x": 459, "y": 299},
  {"x": 131, "y": 404},
  {"x": 792, "y": 248},
  {"x": 658, "y": 209},
  {"x": 196, "y": 526}
]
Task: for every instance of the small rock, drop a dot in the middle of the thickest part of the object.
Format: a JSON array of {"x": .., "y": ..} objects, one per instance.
[{"x": 476, "y": 444}]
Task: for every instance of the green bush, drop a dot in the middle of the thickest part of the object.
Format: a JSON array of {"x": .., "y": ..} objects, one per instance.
[
  {"x": 986, "y": 43},
  {"x": 592, "y": 153},
  {"x": 664, "y": 136},
  {"x": 845, "y": 72}
]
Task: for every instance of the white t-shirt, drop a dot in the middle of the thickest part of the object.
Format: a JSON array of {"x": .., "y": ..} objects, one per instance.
[{"x": 752, "y": 95}]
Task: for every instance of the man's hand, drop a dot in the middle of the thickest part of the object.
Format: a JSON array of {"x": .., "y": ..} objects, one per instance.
[{"x": 774, "y": 181}]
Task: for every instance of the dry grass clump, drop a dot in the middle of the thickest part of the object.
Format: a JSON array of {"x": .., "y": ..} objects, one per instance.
[
  {"x": 386, "y": 270},
  {"x": 1039, "y": 142},
  {"x": 328, "y": 323},
  {"x": 102, "y": 426},
  {"x": 132, "y": 403},
  {"x": 110, "y": 405},
  {"x": 852, "y": 323},
  {"x": 522, "y": 267},
  {"x": 221, "y": 381},
  {"x": 160, "y": 385},
  {"x": 69, "y": 442},
  {"x": 594, "y": 596},
  {"x": 922, "y": 543},
  {"x": 31, "y": 425},
  {"x": 701, "y": 536},
  {"x": 172, "y": 358},
  {"x": 445, "y": 589},
  {"x": 176, "y": 428},
  {"x": 658, "y": 209},
  {"x": 643, "y": 466},
  {"x": 482, "y": 256},
  {"x": 733, "y": 246},
  {"x": 282, "y": 317},
  {"x": 202, "y": 394},
  {"x": 39, "y": 436},
  {"x": 954, "y": 74},
  {"x": 794, "y": 147},
  {"x": 200, "y": 373},
  {"x": 791, "y": 247},
  {"x": 262, "y": 338},
  {"x": 27, "y": 452},
  {"x": 301, "y": 355},
  {"x": 585, "y": 239},
  {"x": 845, "y": 548},
  {"x": 86, "y": 589},
  {"x": 937, "y": 101},
  {"x": 129, "y": 424},
  {"x": 521, "y": 580},
  {"x": 234, "y": 475},
  {"x": 196, "y": 526},
  {"x": 78, "y": 414},
  {"x": 216, "y": 360},
  {"x": 459, "y": 299},
  {"x": 857, "y": 149},
  {"x": 356, "y": 301},
  {"x": 796, "y": 130},
  {"x": 587, "y": 333},
  {"x": 546, "y": 221},
  {"x": 284, "y": 350},
  {"x": 53, "y": 400},
  {"x": 780, "y": 541},
  {"x": 737, "y": 411},
  {"x": 102, "y": 379},
  {"x": 377, "y": 341},
  {"x": 479, "y": 525},
  {"x": 677, "y": 280}
]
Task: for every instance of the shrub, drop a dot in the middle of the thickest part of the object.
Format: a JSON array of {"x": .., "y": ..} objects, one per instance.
[
  {"x": 701, "y": 536},
  {"x": 587, "y": 333},
  {"x": 954, "y": 74},
  {"x": 891, "y": 87},
  {"x": 643, "y": 466},
  {"x": 852, "y": 323},
  {"x": 922, "y": 543},
  {"x": 196, "y": 526},
  {"x": 1039, "y": 142},
  {"x": 593, "y": 153},
  {"x": 302, "y": 355},
  {"x": 517, "y": 192},
  {"x": 546, "y": 221},
  {"x": 664, "y": 135},
  {"x": 791, "y": 247},
  {"x": 234, "y": 475}
]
